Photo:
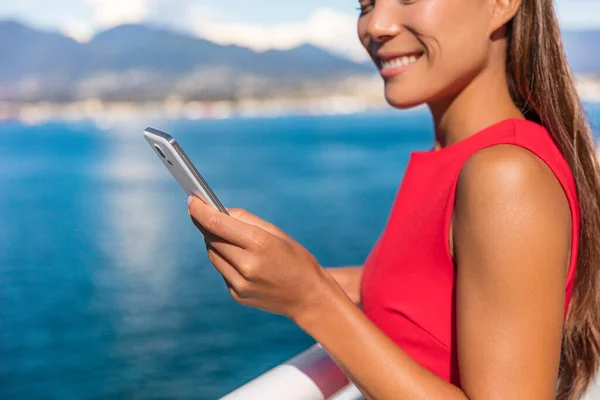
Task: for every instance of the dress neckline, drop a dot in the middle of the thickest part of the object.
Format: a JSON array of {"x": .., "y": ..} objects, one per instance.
[{"x": 462, "y": 143}]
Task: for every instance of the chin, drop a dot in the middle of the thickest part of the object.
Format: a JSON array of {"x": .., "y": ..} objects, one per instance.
[
  {"x": 400, "y": 95},
  {"x": 402, "y": 101}
]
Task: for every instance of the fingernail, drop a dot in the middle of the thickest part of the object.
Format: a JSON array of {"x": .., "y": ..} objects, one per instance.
[{"x": 190, "y": 199}]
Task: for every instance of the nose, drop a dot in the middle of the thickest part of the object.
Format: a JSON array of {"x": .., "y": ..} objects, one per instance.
[{"x": 384, "y": 23}]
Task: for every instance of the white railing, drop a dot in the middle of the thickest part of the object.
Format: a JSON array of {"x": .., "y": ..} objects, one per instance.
[{"x": 312, "y": 375}]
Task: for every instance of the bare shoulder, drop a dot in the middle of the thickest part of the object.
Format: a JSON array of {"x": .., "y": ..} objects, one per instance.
[
  {"x": 508, "y": 168},
  {"x": 508, "y": 179}
]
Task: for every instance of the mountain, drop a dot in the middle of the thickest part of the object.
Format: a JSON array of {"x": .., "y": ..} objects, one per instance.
[
  {"x": 142, "y": 62},
  {"x": 26, "y": 52},
  {"x": 139, "y": 62}
]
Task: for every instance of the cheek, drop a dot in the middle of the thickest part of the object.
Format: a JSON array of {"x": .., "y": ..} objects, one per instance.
[
  {"x": 445, "y": 26},
  {"x": 361, "y": 28},
  {"x": 363, "y": 36},
  {"x": 455, "y": 35}
]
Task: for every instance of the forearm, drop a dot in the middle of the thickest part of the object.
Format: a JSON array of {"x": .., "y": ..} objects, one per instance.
[
  {"x": 376, "y": 365},
  {"x": 349, "y": 279}
]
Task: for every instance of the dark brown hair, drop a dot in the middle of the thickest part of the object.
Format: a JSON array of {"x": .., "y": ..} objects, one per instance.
[{"x": 541, "y": 84}]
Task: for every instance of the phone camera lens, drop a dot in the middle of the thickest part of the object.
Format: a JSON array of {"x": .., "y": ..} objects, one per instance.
[{"x": 159, "y": 150}]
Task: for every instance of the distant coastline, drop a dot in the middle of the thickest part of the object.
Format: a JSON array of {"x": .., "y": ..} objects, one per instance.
[
  {"x": 363, "y": 96},
  {"x": 93, "y": 109},
  {"x": 348, "y": 95}
]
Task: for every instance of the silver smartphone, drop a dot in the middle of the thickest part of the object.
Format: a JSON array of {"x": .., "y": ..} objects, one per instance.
[{"x": 179, "y": 165}]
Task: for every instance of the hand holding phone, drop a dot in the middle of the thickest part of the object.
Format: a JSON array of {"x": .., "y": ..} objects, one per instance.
[{"x": 240, "y": 243}]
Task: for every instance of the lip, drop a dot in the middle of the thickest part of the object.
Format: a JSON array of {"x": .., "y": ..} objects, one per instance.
[
  {"x": 387, "y": 55},
  {"x": 391, "y": 72}
]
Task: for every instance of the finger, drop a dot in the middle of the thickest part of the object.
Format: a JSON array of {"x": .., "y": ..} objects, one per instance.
[
  {"x": 208, "y": 236},
  {"x": 234, "y": 255},
  {"x": 225, "y": 226},
  {"x": 249, "y": 218},
  {"x": 208, "y": 249},
  {"x": 233, "y": 279}
]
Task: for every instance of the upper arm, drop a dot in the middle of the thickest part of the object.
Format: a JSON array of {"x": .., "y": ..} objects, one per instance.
[{"x": 512, "y": 235}]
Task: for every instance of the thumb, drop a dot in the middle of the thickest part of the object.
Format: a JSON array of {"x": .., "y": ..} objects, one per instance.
[{"x": 249, "y": 218}]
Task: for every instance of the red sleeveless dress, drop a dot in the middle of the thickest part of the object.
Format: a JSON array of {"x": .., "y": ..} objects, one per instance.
[{"x": 408, "y": 281}]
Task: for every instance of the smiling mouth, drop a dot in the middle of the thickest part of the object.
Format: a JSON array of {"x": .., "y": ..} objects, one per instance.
[{"x": 399, "y": 62}]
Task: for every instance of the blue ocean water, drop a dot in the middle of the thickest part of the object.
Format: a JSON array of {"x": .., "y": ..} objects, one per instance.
[{"x": 105, "y": 287}]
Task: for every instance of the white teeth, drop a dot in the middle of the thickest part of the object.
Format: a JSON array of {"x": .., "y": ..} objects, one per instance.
[{"x": 398, "y": 62}]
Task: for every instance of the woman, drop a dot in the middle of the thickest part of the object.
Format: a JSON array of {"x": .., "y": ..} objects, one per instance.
[{"x": 484, "y": 283}]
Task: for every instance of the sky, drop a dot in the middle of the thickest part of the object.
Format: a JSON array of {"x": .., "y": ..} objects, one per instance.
[{"x": 258, "y": 24}]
